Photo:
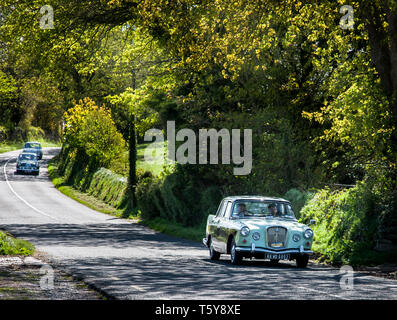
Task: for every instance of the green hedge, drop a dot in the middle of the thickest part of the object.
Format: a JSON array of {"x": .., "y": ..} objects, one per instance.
[
  {"x": 108, "y": 187},
  {"x": 349, "y": 224},
  {"x": 177, "y": 199}
]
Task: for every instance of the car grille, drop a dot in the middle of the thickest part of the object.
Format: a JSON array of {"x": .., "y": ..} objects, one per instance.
[
  {"x": 276, "y": 237},
  {"x": 26, "y": 165}
]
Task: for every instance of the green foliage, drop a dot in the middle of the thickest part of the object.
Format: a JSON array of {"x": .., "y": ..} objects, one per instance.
[
  {"x": 108, "y": 187},
  {"x": 349, "y": 223},
  {"x": 133, "y": 103},
  {"x": 90, "y": 131},
  {"x": 3, "y": 134},
  {"x": 7, "y": 87},
  {"x": 8, "y": 97},
  {"x": 298, "y": 199},
  {"x": 35, "y": 133},
  {"x": 162, "y": 197},
  {"x": 13, "y": 246}
]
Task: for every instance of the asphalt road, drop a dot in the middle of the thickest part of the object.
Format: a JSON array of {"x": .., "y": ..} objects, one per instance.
[{"x": 129, "y": 261}]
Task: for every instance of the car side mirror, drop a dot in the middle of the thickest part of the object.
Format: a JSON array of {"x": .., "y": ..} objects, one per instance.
[{"x": 312, "y": 221}]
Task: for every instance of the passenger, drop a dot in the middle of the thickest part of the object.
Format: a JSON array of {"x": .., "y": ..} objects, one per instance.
[{"x": 273, "y": 210}]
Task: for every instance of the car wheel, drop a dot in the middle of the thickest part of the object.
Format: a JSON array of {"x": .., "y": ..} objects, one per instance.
[
  {"x": 235, "y": 256},
  {"x": 302, "y": 261},
  {"x": 214, "y": 255}
]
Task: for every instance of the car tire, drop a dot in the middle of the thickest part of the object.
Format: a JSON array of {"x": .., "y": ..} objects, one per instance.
[
  {"x": 214, "y": 255},
  {"x": 235, "y": 256},
  {"x": 302, "y": 261}
]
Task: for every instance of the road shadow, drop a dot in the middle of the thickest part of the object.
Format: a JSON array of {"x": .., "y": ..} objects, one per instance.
[
  {"x": 152, "y": 265},
  {"x": 188, "y": 278},
  {"x": 116, "y": 235}
]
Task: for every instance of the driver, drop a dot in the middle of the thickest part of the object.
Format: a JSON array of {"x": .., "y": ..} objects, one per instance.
[
  {"x": 273, "y": 210},
  {"x": 241, "y": 210}
]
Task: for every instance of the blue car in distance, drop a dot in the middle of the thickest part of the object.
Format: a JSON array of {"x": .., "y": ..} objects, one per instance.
[
  {"x": 33, "y": 147},
  {"x": 28, "y": 163}
]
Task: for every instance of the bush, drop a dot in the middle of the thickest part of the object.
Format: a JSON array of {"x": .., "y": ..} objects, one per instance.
[
  {"x": 90, "y": 130},
  {"x": 163, "y": 197},
  {"x": 149, "y": 197},
  {"x": 108, "y": 187},
  {"x": 17, "y": 134},
  {"x": 298, "y": 199},
  {"x": 3, "y": 134},
  {"x": 35, "y": 133},
  {"x": 349, "y": 224}
]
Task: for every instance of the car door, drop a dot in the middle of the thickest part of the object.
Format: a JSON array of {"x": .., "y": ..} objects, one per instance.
[
  {"x": 214, "y": 226},
  {"x": 223, "y": 227}
]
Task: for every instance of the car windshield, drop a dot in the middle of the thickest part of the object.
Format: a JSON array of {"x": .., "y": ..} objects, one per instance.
[
  {"x": 30, "y": 145},
  {"x": 257, "y": 208},
  {"x": 27, "y": 157}
]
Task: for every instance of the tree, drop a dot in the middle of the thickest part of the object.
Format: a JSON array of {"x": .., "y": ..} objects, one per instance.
[{"x": 90, "y": 130}]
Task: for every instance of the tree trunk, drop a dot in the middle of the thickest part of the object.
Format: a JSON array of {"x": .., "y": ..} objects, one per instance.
[
  {"x": 384, "y": 56},
  {"x": 132, "y": 162}
]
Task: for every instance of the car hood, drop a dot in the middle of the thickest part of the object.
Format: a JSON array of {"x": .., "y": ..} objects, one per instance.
[{"x": 261, "y": 223}]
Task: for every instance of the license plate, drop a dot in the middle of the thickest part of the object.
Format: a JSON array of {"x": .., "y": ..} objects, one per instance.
[
  {"x": 277, "y": 244},
  {"x": 277, "y": 256}
]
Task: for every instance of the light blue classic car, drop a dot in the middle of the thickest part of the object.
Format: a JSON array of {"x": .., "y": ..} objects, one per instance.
[
  {"x": 259, "y": 227},
  {"x": 28, "y": 163},
  {"x": 33, "y": 147}
]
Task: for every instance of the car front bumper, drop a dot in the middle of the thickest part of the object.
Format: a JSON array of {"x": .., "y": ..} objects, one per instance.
[
  {"x": 255, "y": 251},
  {"x": 28, "y": 170},
  {"x": 252, "y": 251}
]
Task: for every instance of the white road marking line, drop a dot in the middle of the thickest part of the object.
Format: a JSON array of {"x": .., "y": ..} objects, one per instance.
[
  {"x": 323, "y": 293},
  {"x": 138, "y": 288},
  {"x": 22, "y": 199}
]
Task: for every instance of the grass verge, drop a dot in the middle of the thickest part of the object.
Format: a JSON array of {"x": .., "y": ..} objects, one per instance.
[
  {"x": 175, "y": 229},
  {"x": 12, "y": 246}
]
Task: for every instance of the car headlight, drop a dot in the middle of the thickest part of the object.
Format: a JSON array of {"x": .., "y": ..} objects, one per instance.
[
  {"x": 308, "y": 233},
  {"x": 256, "y": 236},
  {"x": 245, "y": 231},
  {"x": 296, "y": 237}
]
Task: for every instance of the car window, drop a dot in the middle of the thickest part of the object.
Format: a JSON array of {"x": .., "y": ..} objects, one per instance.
[
  {"x": 221, "y": 209},
  {"x": 289, "y": 210},
  {"x": 32, "y": 145},
  {"x": 257, "y": 208},
  {"x": 228, "y": 209},
  {"x": 27, "y": 157}
]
